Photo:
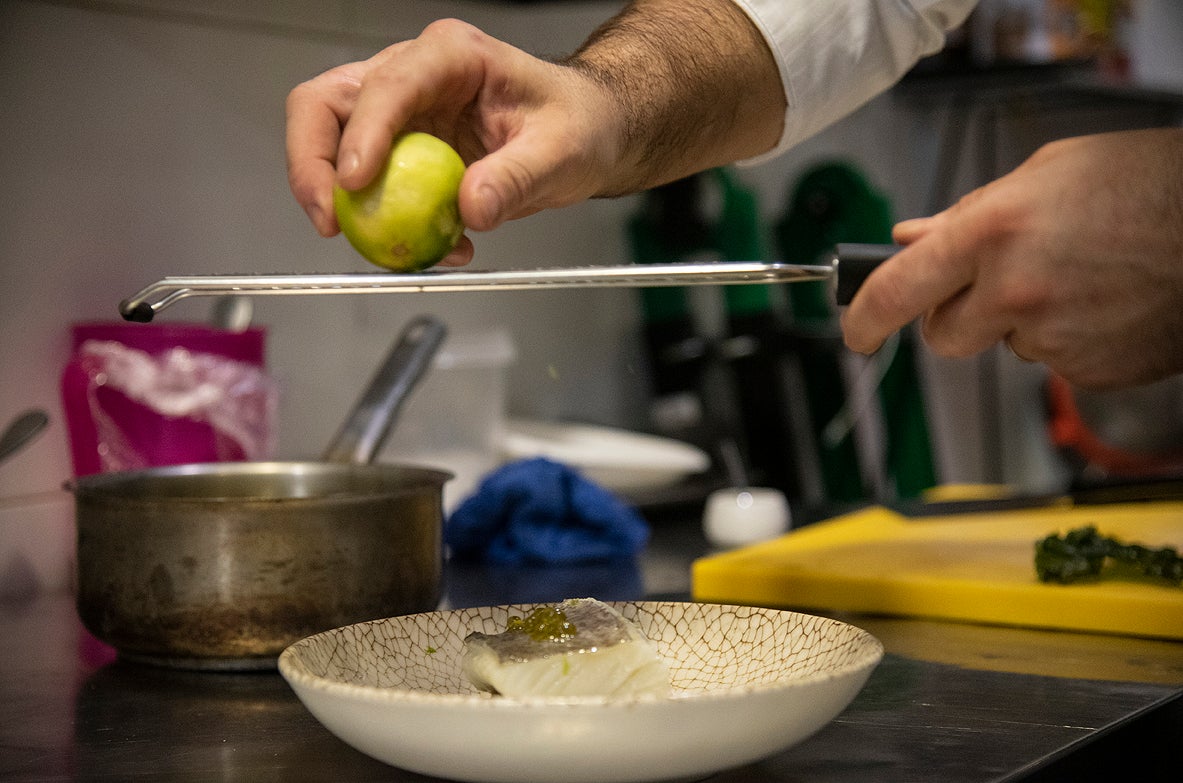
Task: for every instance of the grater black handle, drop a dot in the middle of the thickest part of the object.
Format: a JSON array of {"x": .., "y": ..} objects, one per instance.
[{"x": 853, "y": 263}]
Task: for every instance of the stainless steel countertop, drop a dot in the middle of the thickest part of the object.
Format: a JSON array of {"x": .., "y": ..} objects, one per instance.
[{"x": 950, "y": 702}]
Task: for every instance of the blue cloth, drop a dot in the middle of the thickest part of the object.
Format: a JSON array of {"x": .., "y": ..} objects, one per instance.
[{"x": 537, "y": 511}]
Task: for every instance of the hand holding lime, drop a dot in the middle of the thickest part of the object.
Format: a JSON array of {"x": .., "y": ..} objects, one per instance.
[{"x": 408, "y": 218}]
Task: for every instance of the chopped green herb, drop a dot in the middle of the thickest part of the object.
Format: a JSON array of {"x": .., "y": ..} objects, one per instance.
[{"x": 1083, "y": 553}]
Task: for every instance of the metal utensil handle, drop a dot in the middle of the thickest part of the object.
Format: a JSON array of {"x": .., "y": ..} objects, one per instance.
[
  {"x": 21, "y": 430},
  {"x": 373, "y": 417},
  {"x": 144, "y": 305},
  {"x": 854, "y": 263}
]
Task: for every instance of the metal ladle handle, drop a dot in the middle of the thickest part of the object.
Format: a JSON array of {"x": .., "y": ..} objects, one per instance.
[
  {"x": 21, "y": 430},
  {"x": 373, "y": 417}
]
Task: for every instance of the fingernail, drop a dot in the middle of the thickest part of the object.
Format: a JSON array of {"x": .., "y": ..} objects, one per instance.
[
  {"x": 490, "y": 206},
  {"x": 349, "y": 163},
  {"x": 316, "y": 215}
]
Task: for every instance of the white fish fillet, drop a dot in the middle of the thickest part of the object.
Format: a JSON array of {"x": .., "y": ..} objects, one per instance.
[{"x": 606, "y": 655}]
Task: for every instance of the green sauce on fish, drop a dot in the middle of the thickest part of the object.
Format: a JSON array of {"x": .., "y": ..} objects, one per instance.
[{"x": 543, "y": 624}]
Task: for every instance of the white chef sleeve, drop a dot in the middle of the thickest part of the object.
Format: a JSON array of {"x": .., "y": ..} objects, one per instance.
[{"x": 835, "y": 55}]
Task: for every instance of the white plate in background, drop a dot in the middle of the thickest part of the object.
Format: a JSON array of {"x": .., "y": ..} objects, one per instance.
[{"x": 617, "y": 459}]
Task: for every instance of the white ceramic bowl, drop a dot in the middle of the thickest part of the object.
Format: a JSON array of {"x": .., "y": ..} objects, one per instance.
[{"x": 748, "y": 682}]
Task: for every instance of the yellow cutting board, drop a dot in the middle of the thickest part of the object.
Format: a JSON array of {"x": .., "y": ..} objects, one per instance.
[{"x": 971, "y": 567}]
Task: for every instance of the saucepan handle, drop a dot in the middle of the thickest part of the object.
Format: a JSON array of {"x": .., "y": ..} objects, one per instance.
[{"x": 365, "y": 430}]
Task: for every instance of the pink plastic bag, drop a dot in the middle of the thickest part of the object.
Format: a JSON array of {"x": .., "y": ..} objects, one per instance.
[{"x": 138, "y": 395}]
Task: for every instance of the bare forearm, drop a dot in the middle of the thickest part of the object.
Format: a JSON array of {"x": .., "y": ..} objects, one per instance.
[{"x": 695, "y": 85}]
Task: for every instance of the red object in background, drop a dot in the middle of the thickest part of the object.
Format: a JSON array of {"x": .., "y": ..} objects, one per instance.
[
  {"x": 1069, "y": 431},
  {"x": 159, "y": 439}
]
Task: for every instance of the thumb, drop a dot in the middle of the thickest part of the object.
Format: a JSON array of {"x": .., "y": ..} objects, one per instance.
[
  {"x": 519, "y": 179},
  {"x": 483, "y": 199},
  {"x": 494, "y": 190}
]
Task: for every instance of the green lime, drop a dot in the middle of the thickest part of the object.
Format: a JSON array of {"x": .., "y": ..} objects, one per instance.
[{"x": 408, "y": 218}]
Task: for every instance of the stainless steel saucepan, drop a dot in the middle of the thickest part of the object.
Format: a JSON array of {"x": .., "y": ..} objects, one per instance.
[{"x": 222, "y": 565}]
